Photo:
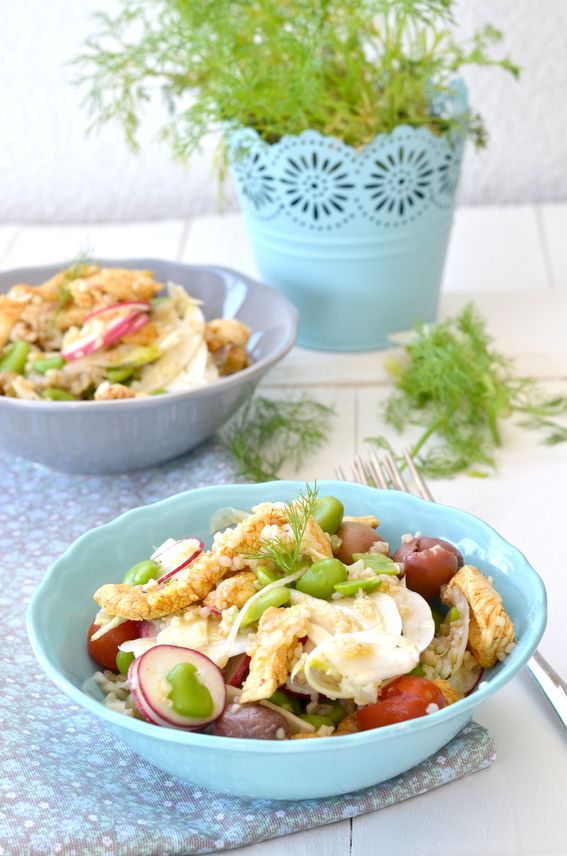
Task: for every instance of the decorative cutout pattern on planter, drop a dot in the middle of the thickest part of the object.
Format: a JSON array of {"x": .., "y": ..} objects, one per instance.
[
  {"x": 319, "y": 183},
  {"x": 250, "y": 161}
]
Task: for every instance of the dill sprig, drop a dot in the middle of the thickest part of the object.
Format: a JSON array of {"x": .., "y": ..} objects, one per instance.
[
  {"x": 341, "y": 67},
  {"x": 267, "y": 433},
  {"x": 77, "y": 268},
  {"x": 285, "y": 554},
  {"x": 457, "y": 387}
]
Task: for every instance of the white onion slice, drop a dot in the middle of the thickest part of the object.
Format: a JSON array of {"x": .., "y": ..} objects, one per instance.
[
  {"x": 417, "y": 620},
  {"x": 359, "y": 662}
]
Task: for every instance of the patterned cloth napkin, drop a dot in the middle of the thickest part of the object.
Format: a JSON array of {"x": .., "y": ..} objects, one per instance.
[{"x": 66, "y": 785}]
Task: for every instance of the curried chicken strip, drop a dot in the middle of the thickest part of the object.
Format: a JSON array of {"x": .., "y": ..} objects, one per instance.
[
  {"x": 491, "y": 632},
  {"x": 274, "y": 650},
  {"x": 196, "y": 580},
  {"x": 225, "y": 331},
  {"x": 234, "y": 591},
  {"x": 10, "y": 312},
  {"x": 113, "y": 392},
  {"x": 105, "y": 286}
]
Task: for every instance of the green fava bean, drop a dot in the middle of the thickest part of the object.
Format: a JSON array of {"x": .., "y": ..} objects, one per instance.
[
  {"x": 336, "y": 714},
  {"x": 317, "y": 719},
  {"x": 142, "y": 573},
  {"x": 123, "y": 660},
  {"x": 44, "y": 365},
  {"x": 188, "y": 696},
  {"x": 15, "y": 358},
  {"x": 352, "y": 586},
  {"x": 328, "y": 511},
  {"x": 378, "y": 562},
  {"x": 265, "y": 575},
  {"x": 55, "y": 394},
  {"x": 418, "y": 672},
  {"x": 320, "y": 579},
  {"x": 287, "y": 702},
  {"x": 274, "y": 597},
  {"x": 119, "y": 374}
]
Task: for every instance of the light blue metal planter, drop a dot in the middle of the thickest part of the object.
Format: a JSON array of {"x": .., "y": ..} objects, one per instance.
[{"x": 355, "y": 238}]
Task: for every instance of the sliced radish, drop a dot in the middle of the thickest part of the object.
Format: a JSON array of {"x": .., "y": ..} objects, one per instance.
[
  {"x": 147, "y": 629},
  {"x": 236, "y": 670},
  {"x": 147, "y": 678},
  {"x": 123, "y": 326},
  {"x": 81, "y": 347},
  {"x": 173, "y": 556},
  {"x": 465, "y": 680},
  {"x": 99, "y": 332},
  {"x": 132, "y": 305}
]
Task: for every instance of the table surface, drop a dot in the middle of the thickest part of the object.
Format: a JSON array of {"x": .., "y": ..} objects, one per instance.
[{"x": 512, "y": 261}]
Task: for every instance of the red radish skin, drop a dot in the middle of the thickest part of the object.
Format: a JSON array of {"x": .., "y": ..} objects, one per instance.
[
  {"x": 123, "y": 327},
  {"x": 147, "y": 628},
  {"x": 81, "y": 348},
  {"x": 240, "y": 671},
  {"x": 161, "y": 557},
  {"x": 92, "y": 342},
  {"x": 162, "y": 551},
  {"x": 146, "y": 679},
  {"x": 133, "y": 305},
  {"x": 476, "y": 683}
]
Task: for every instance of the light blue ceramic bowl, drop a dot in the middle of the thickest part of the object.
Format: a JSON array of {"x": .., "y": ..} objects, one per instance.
[{"x": 62, "y": 608}]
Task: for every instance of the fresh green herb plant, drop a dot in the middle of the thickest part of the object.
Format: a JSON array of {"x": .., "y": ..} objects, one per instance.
[
  {"x": 457, "y": 387},
  {"x": 266, "y": 433},
  {"x": 342, "y": 67},
  {"x": 286, "y": 554}
]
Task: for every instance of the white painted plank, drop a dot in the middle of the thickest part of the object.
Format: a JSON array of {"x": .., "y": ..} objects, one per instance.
[
  {"x": 8, "y": 235},
  {"x": 341, "y": 441},
  {"x": 554, "y": 224},
  {"x": 222, "y": 241},
  {"x": 332, "y": 840},
  {"x": 36, "y": 245},
  {"x": 528, "y": 327},
  {"x": 496, "y": 248}
]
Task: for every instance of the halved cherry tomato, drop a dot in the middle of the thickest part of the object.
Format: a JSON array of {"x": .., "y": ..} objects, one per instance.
[
  {"x": 104, "y": 650},
  {"x": 408, "y": 697}
]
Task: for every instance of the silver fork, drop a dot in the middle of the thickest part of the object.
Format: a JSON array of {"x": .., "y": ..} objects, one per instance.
[{"x": 383, "y": 472}]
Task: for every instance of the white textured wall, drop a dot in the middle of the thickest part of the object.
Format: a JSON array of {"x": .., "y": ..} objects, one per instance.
[{"x": 50, "y": 170}]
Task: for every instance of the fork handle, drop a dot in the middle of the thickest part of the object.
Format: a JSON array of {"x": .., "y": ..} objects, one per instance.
[{"x": 551, "y": 685}]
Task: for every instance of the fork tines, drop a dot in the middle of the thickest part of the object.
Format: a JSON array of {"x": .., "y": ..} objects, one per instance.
[{"x": 385, "y": 473}]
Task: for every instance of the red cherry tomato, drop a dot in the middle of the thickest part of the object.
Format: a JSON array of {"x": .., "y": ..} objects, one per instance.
[
  {"x": 407, "y": 697},
  {"x": 104, "y": 650}
]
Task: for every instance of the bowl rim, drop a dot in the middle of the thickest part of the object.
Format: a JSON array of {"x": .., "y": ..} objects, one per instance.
[
  {"x": 484, "y": 690},
  {"x": 251, "y": 372}
]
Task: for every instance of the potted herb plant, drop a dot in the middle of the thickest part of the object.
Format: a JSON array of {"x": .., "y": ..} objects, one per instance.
[{"x": 344, "y": 123}]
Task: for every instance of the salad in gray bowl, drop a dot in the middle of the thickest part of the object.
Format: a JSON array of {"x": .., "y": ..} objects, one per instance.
[{"x": 112, "y": 366}]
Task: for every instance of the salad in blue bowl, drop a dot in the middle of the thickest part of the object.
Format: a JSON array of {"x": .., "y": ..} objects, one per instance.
[{"x": 324, "y": 639}]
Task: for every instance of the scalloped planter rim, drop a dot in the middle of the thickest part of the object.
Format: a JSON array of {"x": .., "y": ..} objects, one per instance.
[{"x": 356, "y": 239}]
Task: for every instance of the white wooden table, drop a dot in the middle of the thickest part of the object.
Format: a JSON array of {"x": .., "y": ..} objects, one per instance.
[{"x": 513, "y": 263}]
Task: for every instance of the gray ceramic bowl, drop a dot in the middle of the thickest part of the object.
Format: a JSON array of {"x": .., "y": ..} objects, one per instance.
[{"x": 116, "y": 436}]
